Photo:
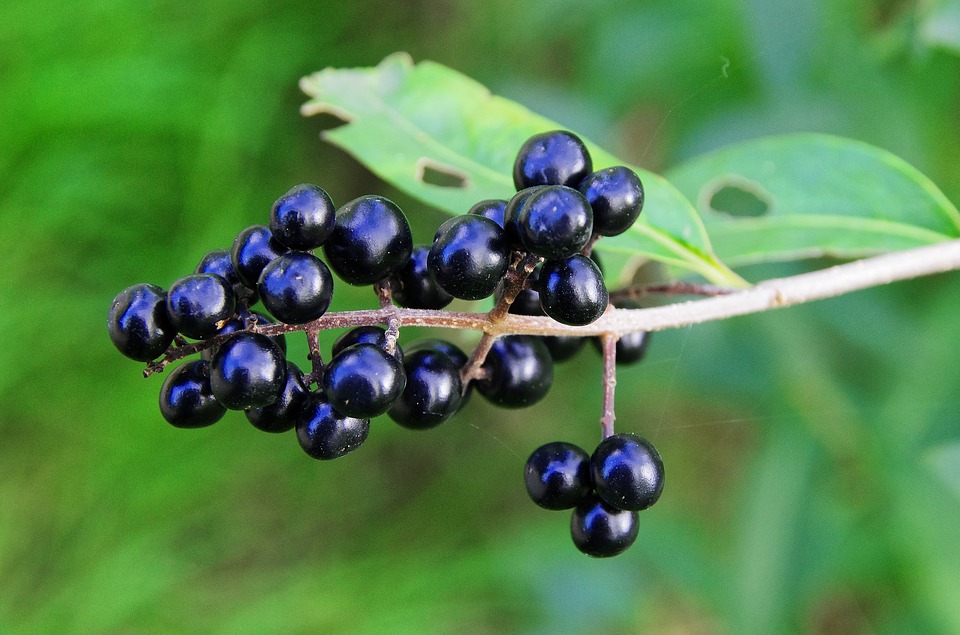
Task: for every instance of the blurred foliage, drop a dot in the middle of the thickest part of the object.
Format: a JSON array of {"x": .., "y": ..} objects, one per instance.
[{"x": 812, "y": 453}]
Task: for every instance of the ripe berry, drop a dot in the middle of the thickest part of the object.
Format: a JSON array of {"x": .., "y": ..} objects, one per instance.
[
  {"x": 469, "y": 256},
  {"x": 303, "y": 217},
  {"x": 326, "y": 434},
  {"x": 363, "y": 381},
  {"x": 138, "y": 323},
  {"x": 572, "y": 290},
  {"x": 511, "y": 216},
  {"x": 199, "y": 303},
  {"x": 561, "y": 347},
  {"x": 370, "y": 240},
  {"x": 601, "y": 531},
  {"x": 557, "y": 475},
  {"x": 220, "y": 262},
  {"x": 493, "y": 209},
  {"x": 248, "y": 371},
  {"x": 253, "y": 249},
  {"x": 415, "y": 287},
  {"x": 631, "y": 347},
  {"x": 457, "y": 356},
  {"x": 367, "y": 334},
  {"x": 282, "y": 414},
  {"x": 296, "y": 287},
  {"x": 555, "y": 222},
  {"x": 552, "y": 158},
  {"x": 433, "y": 391},
  {"x": 519, "y": 372},
  {"x": 627, "y": 472},
  {"x": 616, "y": 196},
  {"x": 186, "y": 400}
]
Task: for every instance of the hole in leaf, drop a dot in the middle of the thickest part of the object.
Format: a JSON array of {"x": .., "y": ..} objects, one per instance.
[
  {"x": 740, "y": 199},
  {"x": 433, "y": 173}
]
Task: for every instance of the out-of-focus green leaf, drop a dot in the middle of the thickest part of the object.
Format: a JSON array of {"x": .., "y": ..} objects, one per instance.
[
  {"x": 810, "y": 195},
  {"x": 414, "y": 125},
  {"x": 940, "y": 27}
]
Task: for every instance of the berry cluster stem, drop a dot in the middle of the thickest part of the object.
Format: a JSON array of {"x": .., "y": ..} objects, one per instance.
[
  {"x": 316, "y": 358},
  {"x": 607, "y": 418}
]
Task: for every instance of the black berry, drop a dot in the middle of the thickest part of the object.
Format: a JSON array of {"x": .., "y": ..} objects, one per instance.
[
  {"x": 326, "y": 434},
  {"x": 511, "y": 216},
  {"x": 363, "y": 381},
  {"x": 493, "y": 209},
  {"x": 631, "y": 347},
  {"x": 572, "y": 290},
  {"x": 557, "y": 475},
  {"x": 199, "y": 303},
  {"x": 365, "y": 334},
  {"x": 220, "y": 263},
  {"x": 552, "y": 158},
  {"x": 616, "y": 196},
  {"x": 253, "y": 249},
  {"x": 138, "y": 323},
  {"x": 415, "y": 287},
  {"x": 303, "y": 217},
  {"x": 186, "y": 400},
  {"x": 519, "y": 372},
  {"x": 248, "y": 371},
  {"x": 555, "y": 222},
  {"x": 527, "y": 302},
  {"x": 282, "y": 414},
  {"x": 296, "y": 287},
  {"x": 432, "y": 393},
  {"x": 627, "y": 472},
  {"x": 600, "y": 530},
  {"x": 469, "y": 257},
  {"x": 371, "y": 239}
]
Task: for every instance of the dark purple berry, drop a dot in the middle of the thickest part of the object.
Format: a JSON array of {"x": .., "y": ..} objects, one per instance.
[
  {"x": 552, "y": 158},
  {"x": 493, "y": 209},
  {"x": 557, "y": 475},
  {"x": 220, "y": 262},
  {"x": 511, "y": 216},
  {"x": 303, "y": 217},
  {"x": 555, "y": 222},
  {"x": 326, "y": 434},
  {"x": 572, "y": 290},
  {"x": 248, "y": 371},
  {"x": 519, "y": 372},
  {"x": 282, "y": 414},
  {"x": 527, "y": 302},
  {"x": 616, "y": 196},
  {"x": 631, "y": 347},
  {"x": 469, "y": 257},
  {"x": 138, "y": 323},
  {"x": 363, "y": 381},
  {"x": 296, "y": 287},
  {"x": 365, "y": 334},
  {"x": 601, "y": 531},
  {"x": 415, "y": 287},
  {"x": 253, "y": 249},
  {"x": 433, "y": 391},
  {"x": 371, "y": 239},
  {"x": 198, "y": 304},
  {"x": 627, "y": 472},
  {"x": 186, "y": 400}
]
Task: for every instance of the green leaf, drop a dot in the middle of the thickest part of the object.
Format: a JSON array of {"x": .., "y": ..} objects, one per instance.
[
  {"x": 419, "y": 125},
  {"x": 811, "y": 195}
]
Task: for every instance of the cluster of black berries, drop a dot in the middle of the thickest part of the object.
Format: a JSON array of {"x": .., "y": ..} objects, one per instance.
[
  {"x": 531, "y": 253},
  {"x": 606, "y": 490}
]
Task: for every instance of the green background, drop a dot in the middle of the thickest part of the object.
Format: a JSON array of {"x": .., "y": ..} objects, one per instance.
[{"x": 813, "y": 454}]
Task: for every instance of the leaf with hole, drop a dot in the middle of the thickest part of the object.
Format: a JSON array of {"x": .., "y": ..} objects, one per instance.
[
  {"x": 811, "y": 195},
  {"x": 444, "y": 139}
]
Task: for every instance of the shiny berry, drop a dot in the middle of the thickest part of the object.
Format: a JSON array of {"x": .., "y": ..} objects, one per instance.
[
  {"x": 511, "y": 216},
  {"x": 555, "y": 222},
  {"x": 253, "y": 249},
  {"x": 326, "y": 434},
  {"x": 493, "y": 209},
  {"x": 415, "y": 287},
  {"x": 450, "y": 350},
  {"x": 138, "y": 323},
  {"x": 552, "y": 158},
  {"x": 220, "y": 263},
  {"x": 365, "y": 334},
  {"x": 561, "y": 347},
  {"x": 303, "y": 217},
  {"x": 363, "y": 381},
  {"x": 572, "y": 290},
  {"x": 600, "y": 530},
  {"x": 469, "y": 257},
  {"x": 248, "y": 371},
  {"x": 296, "y": 287},
  {"x": 186, "y": 400},
  {"x": 282, "y": 414},
  {"x": 557, "y": 475},
  {"x": 616, "y": 196},
  {"x": 519, "y": 372},
  {"x": 627, "y": 472},
  {"x": 433, "y": 391},
  {"x": 631, "y": 347},
  {"x": 371, "y": 239},
  {"x": 199, "y": 303}
]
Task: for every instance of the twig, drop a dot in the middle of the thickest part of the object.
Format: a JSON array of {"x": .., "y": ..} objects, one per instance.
[
  {"x": 668, "y": 288},
  {"x": 609, "y": 341},
  {"x": 316, "y": 358}
]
